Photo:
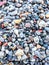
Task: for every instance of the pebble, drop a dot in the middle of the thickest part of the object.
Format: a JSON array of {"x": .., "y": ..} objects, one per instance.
[
  {"x": 36, "y": 39},
  {"x": 1, "y": 54},
  {"x": 47, "y": 52},
  {"x": 42, "y": 23},
  {"x": 27, "y": 25},
  {"x": 47, "y": 15},
  {"x": 16, "y": 32},
  {"x": 19, "y": 52},
  {"x": 17, "y": 21}
]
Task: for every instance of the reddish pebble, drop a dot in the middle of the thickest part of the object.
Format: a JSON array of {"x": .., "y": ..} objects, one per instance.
[
  {"x": 6, "y": 44},
  {"x": 2, "y": 3},
  {"x": 27, "y": 25},
  {"x": 0, "y": 43},
  {"x": 40, "y": 30},
  {"x": 35, "y": 56},
  {"x": 2, "y": 25}
]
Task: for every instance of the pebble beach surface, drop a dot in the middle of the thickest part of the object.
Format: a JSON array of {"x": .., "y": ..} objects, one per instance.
[{"x": 24, "y": 32}]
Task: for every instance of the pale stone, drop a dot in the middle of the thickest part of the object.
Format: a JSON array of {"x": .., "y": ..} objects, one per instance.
[{"x": 19, "y": 52}]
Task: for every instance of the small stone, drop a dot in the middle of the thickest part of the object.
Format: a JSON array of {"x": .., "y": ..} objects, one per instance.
[
  {"x": 27, "y": 25},
  {"x": 2, "y": 25},
  {"x": 38, "y": 46},
  {"x": 1, "y": 20},
  {"x": 22, "y": 35},
  {"x": 0, "y": 63},
  {"x": 29, "y": 0},
  {"x": 39, "y": 1},
  {"x": 47, "y": 15},
  {"x": 5, "y": 44},
  {"x": 1, "y": 54},
  {"x": 4, "y": 36},
  {"x": 0, "y": 43},
  {"x": 36, "y": 39},
  {"x": 9, "y": 43},
  {"x": 2, "y": 3},
  {"x": 3, "y": 48},
  {"x": 42, "y": 23},
  {"x": 6, "y": 24},
  {"x": 17, "y": 21},
  {"x": 47, "y": 29},
  {"x": 47, "y": 52},
  {"x": 18, "y": 5},
  {"x": 24, "y": 14},
  {"x": 16, "y": 32},
  {"x": 1, "y": 39},
  {"x": 26, "y": 49},
  {"x": 24, "y": 57},
  {"x": 10, "y": 63},
  {"x": 6, "y": 51},
  {"x": 34, "y": 49},
  {"x": 19, "y": 52},
  {"x": 42, "y": 16}
]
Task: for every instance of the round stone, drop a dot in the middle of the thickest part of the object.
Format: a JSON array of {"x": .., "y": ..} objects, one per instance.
[{"x": 47, "y": 15}]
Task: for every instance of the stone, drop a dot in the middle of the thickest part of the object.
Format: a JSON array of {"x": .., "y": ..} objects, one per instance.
[
  {"x": 19, "y": 52},
  {"x": 18, "y": 21},
  {"x": 42, "y": 16},
  {"x": 22, "y": 35},
  {"x": 42, "y": 23},
  {"x": 16, "y": 32},
  {"x": 1, "y": 20},
  {"x": 0, "y": 63},
  {"x": 24, "y": 57},
  {"x": 47, "y": 29},
  {"x": 36, "y": 39},
  {"x": 5, "y": 44},
  {"x": 47, "y": 52},
  {"x": 0, "y": 43},
  {"x": 10, "y": 63},
  {"x": 6, "y": 24},
  {"x": 26, "y": 49},
  {"x": 27, "y": 25},
  {"x": 47, "y": 15},
  {"x": 1, "y": 54},
  {"x": 2, "y": 3}
]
